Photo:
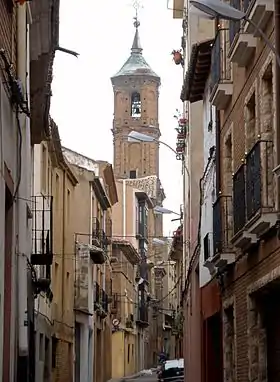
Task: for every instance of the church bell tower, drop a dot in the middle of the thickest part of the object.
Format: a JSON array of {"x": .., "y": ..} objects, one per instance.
[{"x": 136, "y": 94}]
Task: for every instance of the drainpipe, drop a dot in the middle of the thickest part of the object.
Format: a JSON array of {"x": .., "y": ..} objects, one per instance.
[
  {"x": 93, "y": 281},
  {"x": 23, "y": 247},
  {"x": 277, "y": 94},
  {"x": 104, "y": 265},
  {"x": 63, "y": 243},
  {"x": 124, "y": 209}
]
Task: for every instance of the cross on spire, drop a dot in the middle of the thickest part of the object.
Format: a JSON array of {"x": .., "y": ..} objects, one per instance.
[{"x": 136, "y": 5}]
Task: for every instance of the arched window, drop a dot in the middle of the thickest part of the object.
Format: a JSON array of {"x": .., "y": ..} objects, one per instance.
[{"x": 135, "y": 105}]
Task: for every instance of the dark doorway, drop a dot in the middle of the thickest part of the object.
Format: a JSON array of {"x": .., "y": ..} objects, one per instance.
[
  {"x": 271, "y": 317},
  {"x": 8, "y": 248},
  {"x": 213, "y": 349},
  {"x": 77, "y": 352}
]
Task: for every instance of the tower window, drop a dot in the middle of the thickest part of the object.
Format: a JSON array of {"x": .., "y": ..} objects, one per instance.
[
  {"x": 132, "y": 174},
  {"x": 135, "y": 105}
]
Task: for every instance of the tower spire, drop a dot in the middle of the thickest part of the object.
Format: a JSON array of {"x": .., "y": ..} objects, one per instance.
[{"x": 136, "y": 45}]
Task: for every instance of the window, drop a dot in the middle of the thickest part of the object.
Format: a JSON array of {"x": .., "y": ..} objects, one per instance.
[
  {"x": 57, "y": 188},
  {"x": 206, "y": 247},
  {"x": 128, "y": 353},
  {"x": 41, "y": 347},
  {"x": 228, "y": 164},
  {"x": 44, "y": 169},
  {"x": 135, "y": 105},
  {"x": 267, "y": 101},
  {"x": 47, "y": 356},
  {"x": 251, "y": 122},
  {"x": 68, "y": 206},
  {"x": 132, "y": 174}
]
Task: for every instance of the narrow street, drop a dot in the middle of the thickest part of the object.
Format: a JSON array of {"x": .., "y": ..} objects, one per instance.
[{"x": 145, "y": 378}]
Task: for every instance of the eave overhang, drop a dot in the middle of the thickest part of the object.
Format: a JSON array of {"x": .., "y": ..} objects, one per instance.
[
  {"x": 56, "y": 151},
  {"x": 128, "y": 250},
  {"x": 101, "y": 194},
  {"x": 110, "y": 180},
  {"x": 141, "y": 195},
  {"x": 44, "y": 38},
  {"x": 198, "y": 72}
]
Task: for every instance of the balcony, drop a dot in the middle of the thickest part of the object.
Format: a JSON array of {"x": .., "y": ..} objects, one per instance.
[
  {"x": 115, "y": 304},
  {"x": 42, "y": 230},
  {"x": 81, "y": 283},
  {"x": 108, "y": 230},
  {"x": 261, "y": 214},
  {"x": 253, "y": 190},
  {"x": 243, "y": 48},
  {"x": 100, "y": 301},
  {"x": 221, "y": 87},
  {"x": 241, "y": 239},
  {"x": 142, "y": 230},
  {"x": 260, "y": 12},
  {"x": 99, "y": 243},
  {"x": 223, "y": 252},
  {"x": 143, "y": 317},
  {"x": 104, "y": 301}
]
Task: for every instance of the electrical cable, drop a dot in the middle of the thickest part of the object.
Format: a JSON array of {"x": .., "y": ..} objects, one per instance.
[{"x": 19, "y": 153}]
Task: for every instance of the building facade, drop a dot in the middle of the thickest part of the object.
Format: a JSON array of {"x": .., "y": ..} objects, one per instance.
[
  {"x": 23, "y": 123},
  {"x": 249, "y": 150},
  {"x": 242, "y": 74},
  {"x": 95, "y": 195},
  {"x": 130, "y": 222},
  {"x": 52, "y": 257},
  {"x": 136, "y": 94},
  {"x": 126, "y": 344}
]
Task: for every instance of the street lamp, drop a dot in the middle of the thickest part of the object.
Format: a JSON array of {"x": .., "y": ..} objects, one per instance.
[
  {"x": 219, "y": 9},
  {"x": 161, "y": 210}
]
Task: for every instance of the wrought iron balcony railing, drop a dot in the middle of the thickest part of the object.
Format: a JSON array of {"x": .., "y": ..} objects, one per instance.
[
  {"x": 246, "y": 4},
  {"x": 239, "y": 203},
  {"x": 99, "y": 237},
  {"x": 143, "y": 314},
  {"x": 42, "y": 230},
  {"x": 220, "y": 64},
  {"x": 108, "y": 228},
  {"x": 96, "y": 293},
  {"x": 253, "y": 185},
  {"x": 115, "y": 304},
  {"x": 234, "y": 26},
  {"x": 104, "y": 301},
  {"x": 222, "y": 224},
  {"x": 259, "y": 178}
]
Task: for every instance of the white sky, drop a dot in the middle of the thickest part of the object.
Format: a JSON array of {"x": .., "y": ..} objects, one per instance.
[{"x": 82, "y": 104}]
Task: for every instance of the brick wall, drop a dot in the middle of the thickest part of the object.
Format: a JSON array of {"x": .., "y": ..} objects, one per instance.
[
  {"x": 248, "y": 271},
  {"x": 261, "y": 261},
  {"x": 64, "y": 362},
  {"x": 233, "y": 118}
]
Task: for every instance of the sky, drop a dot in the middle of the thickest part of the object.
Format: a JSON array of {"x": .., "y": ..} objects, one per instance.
[{"x": 82, "y": 104}]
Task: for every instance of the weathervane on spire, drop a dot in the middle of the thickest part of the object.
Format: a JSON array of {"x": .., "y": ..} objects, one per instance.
[{"x": 136, "y": 5}]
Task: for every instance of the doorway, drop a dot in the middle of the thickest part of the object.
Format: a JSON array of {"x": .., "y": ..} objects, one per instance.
[
  {"x": 8, "y": 248},
  {"x": 271, "y": 318},
  {"x": 213, "y": 349}
]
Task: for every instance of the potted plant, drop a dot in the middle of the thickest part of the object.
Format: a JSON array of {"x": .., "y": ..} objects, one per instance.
[{"x": 177, "y": 57}]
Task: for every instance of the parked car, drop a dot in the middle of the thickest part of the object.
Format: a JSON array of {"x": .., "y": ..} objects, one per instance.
[{"x": 172, "y": 371}]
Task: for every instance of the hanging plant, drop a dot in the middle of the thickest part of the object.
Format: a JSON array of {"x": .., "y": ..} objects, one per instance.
[{"x": 177, "y": 57}]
